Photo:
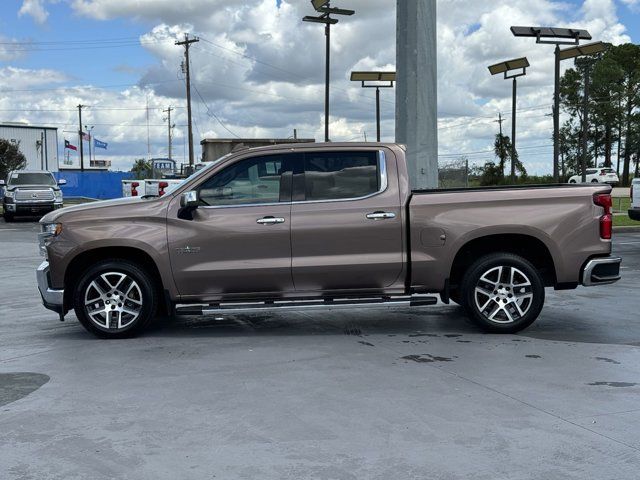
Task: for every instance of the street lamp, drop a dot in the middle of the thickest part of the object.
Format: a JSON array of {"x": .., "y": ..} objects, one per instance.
[
  {"x": 324, "y": 7},
  {"x": 575, "y": 52},
  {"x": 89, "y": 130},
  {"x": 519, "y": 66},
  {"x": 557, "y": 37},
  {"x": 379, "y": 80}
]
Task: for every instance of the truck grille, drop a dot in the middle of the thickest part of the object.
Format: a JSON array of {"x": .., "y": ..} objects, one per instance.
[{"x": 34, "y": 195}]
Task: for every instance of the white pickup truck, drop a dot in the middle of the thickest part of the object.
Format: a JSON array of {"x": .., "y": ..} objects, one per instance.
[{"x": 634, "y": 210}]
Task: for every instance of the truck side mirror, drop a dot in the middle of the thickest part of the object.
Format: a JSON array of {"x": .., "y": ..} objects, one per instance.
[
  {"x": 2, "y": 183},
  {"x": 188, "y": 203},
  {"x": 62, "y": 181}
]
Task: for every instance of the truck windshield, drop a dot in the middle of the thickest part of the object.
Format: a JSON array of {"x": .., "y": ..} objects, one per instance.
[{"x": 32, "y": 178}]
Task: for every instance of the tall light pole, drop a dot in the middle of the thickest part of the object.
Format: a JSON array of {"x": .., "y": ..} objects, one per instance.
[
  {"x": 375, "y": 80},
  {"x": 324, "y": 7},
  {"x": 519, "y": 66},
  {"x": 416, "y": 89},
  {"x": 576, "y": 52},
  {"x": 557, "y": 37}
]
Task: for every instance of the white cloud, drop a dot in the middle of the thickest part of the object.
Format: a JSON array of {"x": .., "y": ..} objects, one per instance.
[
  {"x": 35, "y": 9},
  {"x": 261, "y": 71}
]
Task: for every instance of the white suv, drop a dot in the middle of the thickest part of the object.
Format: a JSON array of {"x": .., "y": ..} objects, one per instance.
[
  {"x": 598, "y": 175},
  {"x": 634, "y": 211}
]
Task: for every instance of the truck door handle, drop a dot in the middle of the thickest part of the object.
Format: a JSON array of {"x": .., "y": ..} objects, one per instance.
[
  {"x": 270, "y": 220},
  {"x": 380, "y": 215}
]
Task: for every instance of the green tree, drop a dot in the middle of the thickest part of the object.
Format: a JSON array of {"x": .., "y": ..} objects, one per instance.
[
  {"x": 503, "y": 150},
  {"x": 141, "y": 168},
  {"x": 11, "y": 158}
]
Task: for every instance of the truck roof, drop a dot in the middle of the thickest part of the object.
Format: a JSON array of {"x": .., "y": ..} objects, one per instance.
[{"x": 319, "y": 146}]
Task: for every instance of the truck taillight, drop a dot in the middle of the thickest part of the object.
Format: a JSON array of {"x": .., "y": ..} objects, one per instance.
[
  {"x": 606, "y": 221},
  {"x": 134, "y": 191},
  {"x": 161, "y": 187},
  {"x": 631, "y": 193}
]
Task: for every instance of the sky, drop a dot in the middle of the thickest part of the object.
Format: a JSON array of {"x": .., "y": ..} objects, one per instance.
[{"x": 258, "y": 71}]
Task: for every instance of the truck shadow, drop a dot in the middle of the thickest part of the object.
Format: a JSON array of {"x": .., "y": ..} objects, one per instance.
[{"x": 438, "y": 320}]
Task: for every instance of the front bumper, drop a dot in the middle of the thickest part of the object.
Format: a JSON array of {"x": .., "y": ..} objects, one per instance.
[
  {"x": 601, "y": 271},
  {"x": 634, "y": 214},
  {"x": 51, "y": 299},
  {"x": 31, "y": 208}
]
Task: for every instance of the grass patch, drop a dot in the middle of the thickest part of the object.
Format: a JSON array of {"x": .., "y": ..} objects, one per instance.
[{"x": 624, "y": 221}]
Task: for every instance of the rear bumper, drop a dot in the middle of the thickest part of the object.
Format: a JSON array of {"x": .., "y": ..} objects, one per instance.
[
  {"x": 601, "y": 271},
  {"x": 51, "y": 299},
  {"x": 634, "y": 214}
]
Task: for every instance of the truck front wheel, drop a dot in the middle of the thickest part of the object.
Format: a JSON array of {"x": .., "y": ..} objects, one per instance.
[
  {"x": 115, "y": 299},
  {"x": 503, "y": 293}
]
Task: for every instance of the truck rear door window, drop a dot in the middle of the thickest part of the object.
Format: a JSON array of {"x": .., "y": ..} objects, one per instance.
[
  {"x": 251, "y": 181},
  {"x": 340, "y": 175}
]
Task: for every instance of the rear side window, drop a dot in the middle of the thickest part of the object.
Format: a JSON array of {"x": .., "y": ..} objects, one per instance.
[
  {"x": 608, "y": 170},
  {"x": 591, "y": 171},
  {"x": 340, "y": 175}
]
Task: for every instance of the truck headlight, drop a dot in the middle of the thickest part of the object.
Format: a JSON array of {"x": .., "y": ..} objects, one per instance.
[
  {"x": 57, "y": 195},
  {"x": 49, "y": 231},
  {"x": 10, "y": 194}
]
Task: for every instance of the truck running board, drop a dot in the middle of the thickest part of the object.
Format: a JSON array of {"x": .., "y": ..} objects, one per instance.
[{"x": 325, "y": 304}]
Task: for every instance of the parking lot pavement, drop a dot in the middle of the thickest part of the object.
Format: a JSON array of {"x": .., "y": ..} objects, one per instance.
[{"x": 393, "y": 394}]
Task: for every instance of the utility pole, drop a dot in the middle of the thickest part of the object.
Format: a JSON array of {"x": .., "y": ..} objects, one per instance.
[
  {"x": 513, "y": 130},
  {"x": 556, "y": 116},
  {"x": 80, "y": 137},
  {"x": 168, "y": 112},
  {"x": 187, "y": 43},
  {"x": 585, "y": 123}
]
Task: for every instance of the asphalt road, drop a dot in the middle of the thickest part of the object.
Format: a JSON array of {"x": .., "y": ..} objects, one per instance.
[{"x": 400, "y": 394}]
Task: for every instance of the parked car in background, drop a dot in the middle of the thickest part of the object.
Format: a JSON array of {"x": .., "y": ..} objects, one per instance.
[
  {"x": 30, "y": 192},
  {"x": 323, "y": 226},
  {"x": 634, "y": 210},
  {"x": 598, "y": 175}
]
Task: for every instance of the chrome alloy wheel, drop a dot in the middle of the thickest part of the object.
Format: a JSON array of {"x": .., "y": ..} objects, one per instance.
[
  {"x": 503, "y": 294},
  {"x": 113, "y": 300}
]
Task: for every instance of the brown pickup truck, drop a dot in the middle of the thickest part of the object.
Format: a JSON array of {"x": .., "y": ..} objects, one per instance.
[{"x": 322, "y": 226}]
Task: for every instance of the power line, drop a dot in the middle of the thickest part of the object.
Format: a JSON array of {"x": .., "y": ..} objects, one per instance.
[{"x": 211, "y": 114}]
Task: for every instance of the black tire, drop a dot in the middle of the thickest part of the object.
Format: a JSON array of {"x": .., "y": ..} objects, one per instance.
[
  {"x": 510, "y": 304},
  {"x": 595, "y": 180},
  {"x": 8, "y": 217},
  {"x": 142, "y": 298},
  {"x": 572, "y": 181}
]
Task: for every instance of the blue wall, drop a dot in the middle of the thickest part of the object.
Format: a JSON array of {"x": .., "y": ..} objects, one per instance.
[{"x": 100, "y": 184}]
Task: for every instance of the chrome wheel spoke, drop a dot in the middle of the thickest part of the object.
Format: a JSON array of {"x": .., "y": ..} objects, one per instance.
[
  {"x": 113, "y": 300},
  {"x": 511, "y": 291}
]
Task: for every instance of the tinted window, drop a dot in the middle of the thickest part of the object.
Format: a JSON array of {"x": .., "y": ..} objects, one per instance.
[
  {"x": 254, "y": 180},
  {"x": 608, "y": 170},
  {"x": 340, "y": 175},
  {"x": 591, "y": 171}
]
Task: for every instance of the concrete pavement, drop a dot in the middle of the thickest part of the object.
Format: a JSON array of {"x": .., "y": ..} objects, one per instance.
[{"x": 401, "y": 394}]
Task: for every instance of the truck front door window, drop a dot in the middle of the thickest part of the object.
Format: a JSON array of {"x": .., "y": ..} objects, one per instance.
[{"x": 252, "y": 181}]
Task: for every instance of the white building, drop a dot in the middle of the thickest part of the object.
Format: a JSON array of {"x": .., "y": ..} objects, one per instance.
[{"x": 38, "y": 144}]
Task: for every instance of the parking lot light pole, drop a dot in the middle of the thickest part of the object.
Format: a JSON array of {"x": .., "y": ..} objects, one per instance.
[
  {"x": 324, "y": 7},
  {"x": 519, "y": 66},
  {"x": 378, "y": 80},
  {"x": 554, "y": 36}
]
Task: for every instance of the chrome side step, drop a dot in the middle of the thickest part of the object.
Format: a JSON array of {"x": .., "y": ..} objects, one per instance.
[{"x": 325, "y": 304}]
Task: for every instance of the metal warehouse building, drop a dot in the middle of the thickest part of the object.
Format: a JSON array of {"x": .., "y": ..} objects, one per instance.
[{"x": 38, "y": 144}]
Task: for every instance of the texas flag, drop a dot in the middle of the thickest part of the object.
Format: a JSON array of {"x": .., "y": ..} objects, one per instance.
[{"x": 68, "y": 145}]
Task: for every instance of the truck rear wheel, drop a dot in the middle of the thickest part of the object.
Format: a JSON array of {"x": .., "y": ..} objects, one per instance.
[
  {"x": 115, "y": 299},
  {"x": 503, "y": 293},
  {"x": 8, "y": 217}
]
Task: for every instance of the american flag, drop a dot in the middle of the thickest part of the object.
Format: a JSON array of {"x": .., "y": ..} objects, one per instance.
[{"x": 86, "y": 136}]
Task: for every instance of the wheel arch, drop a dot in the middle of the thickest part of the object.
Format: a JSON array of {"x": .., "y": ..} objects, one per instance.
[
  {"x": 527, "y": 246},
  {"x": 135, "y": 255}
]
